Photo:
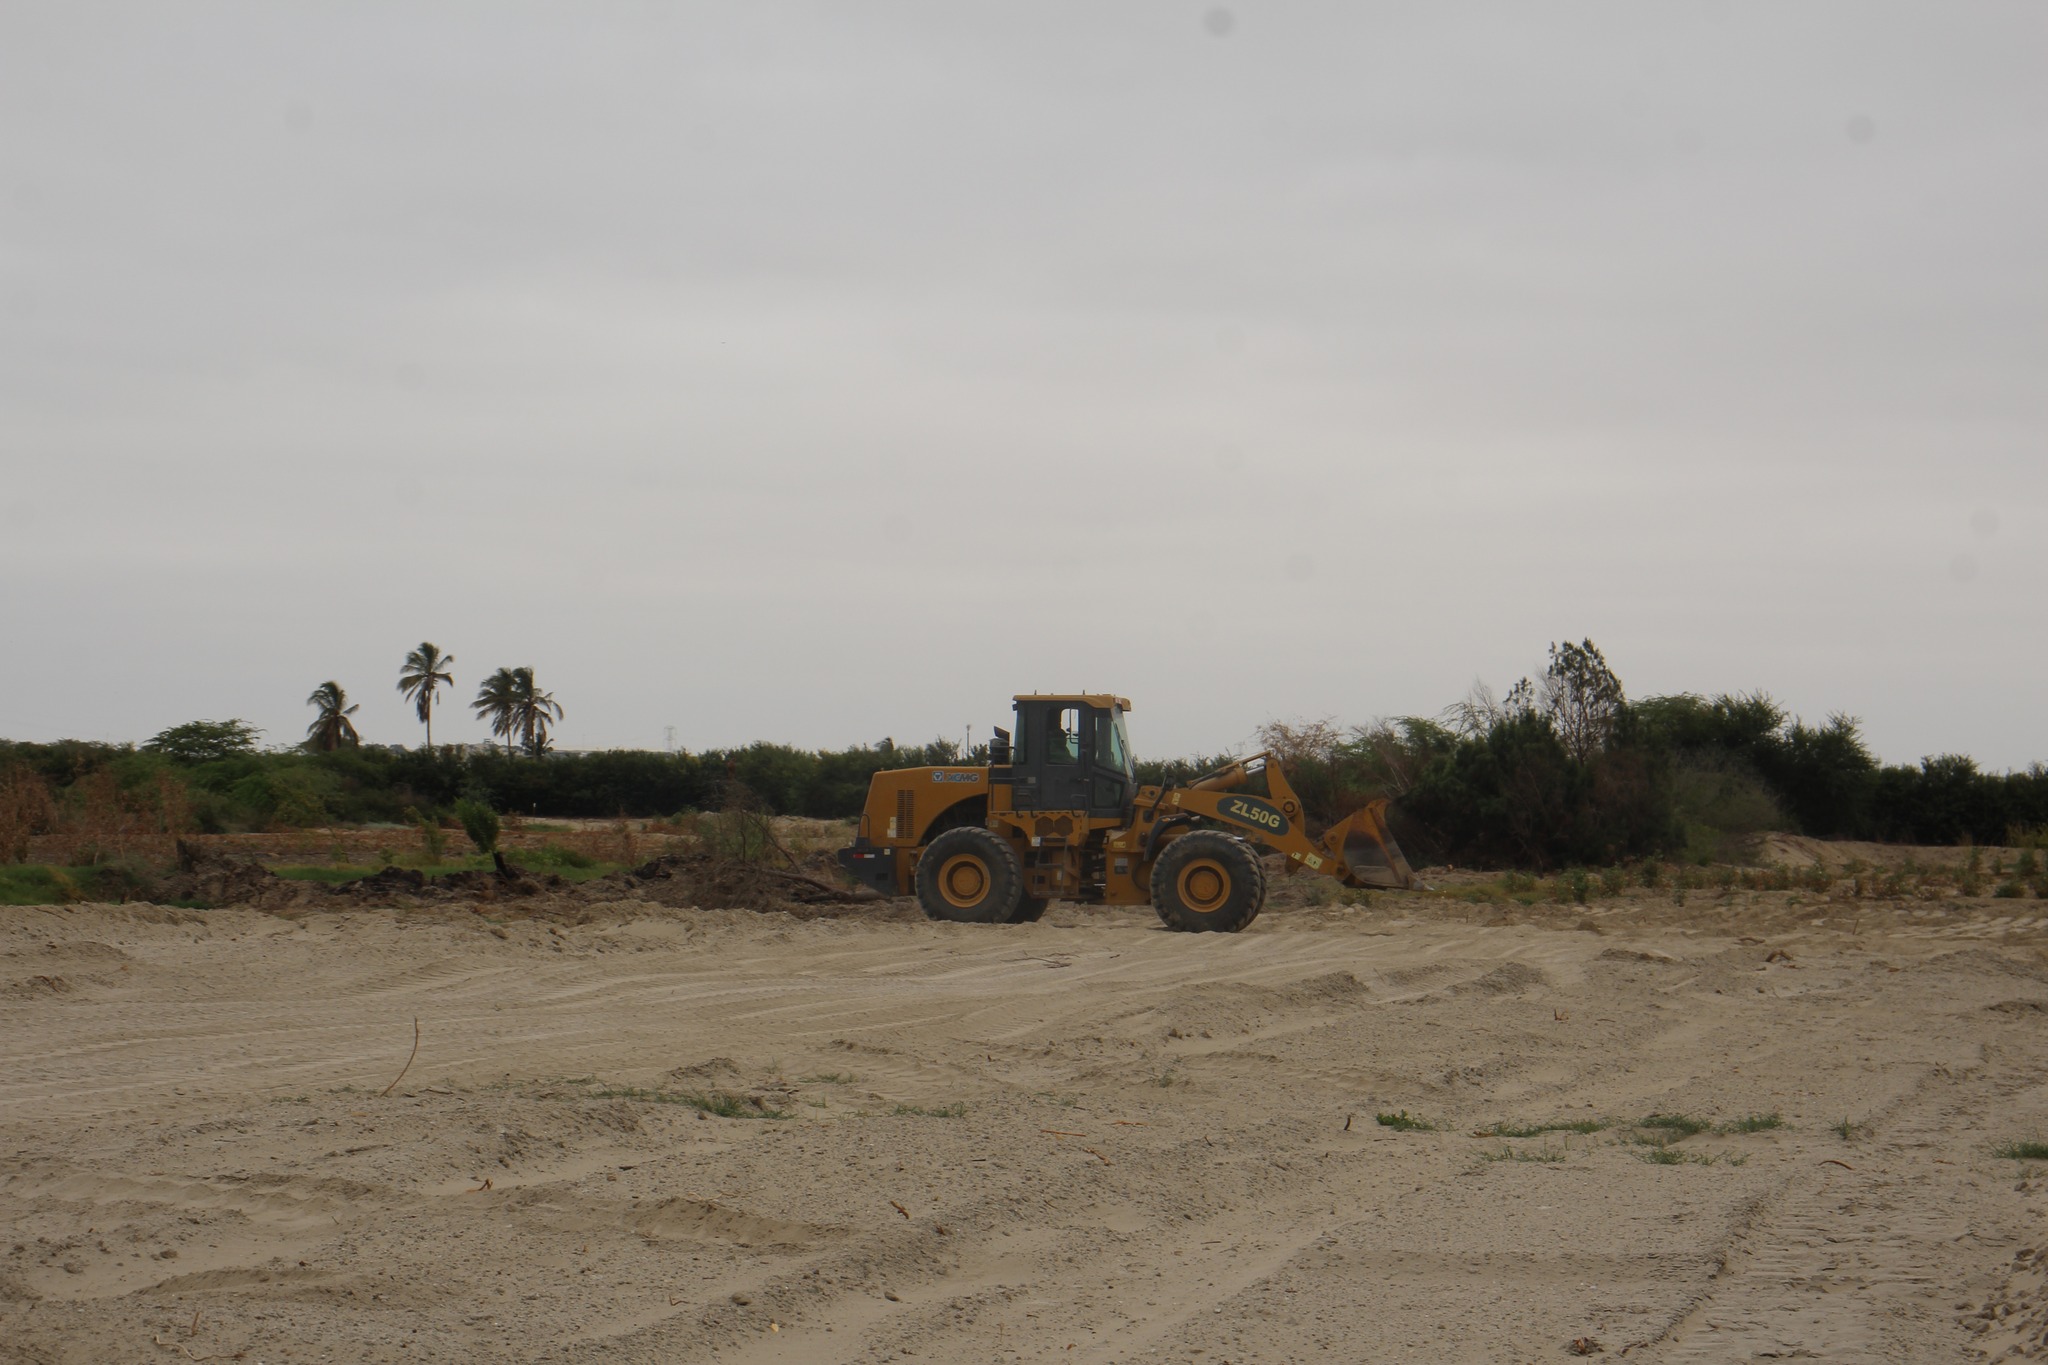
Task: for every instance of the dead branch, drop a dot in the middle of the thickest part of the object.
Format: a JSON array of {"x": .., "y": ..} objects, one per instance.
[
  {"x": 820, "y": 890},
  {"x": 408, "y": 1061}
]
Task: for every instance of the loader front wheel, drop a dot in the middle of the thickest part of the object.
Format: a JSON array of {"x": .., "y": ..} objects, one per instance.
[
  {"x": 1208, "y": 882},
  {"x": 970, "y": 876}
]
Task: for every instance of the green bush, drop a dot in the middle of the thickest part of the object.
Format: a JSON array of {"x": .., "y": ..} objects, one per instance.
[
  {"x": 479, "y": 822},
  {"x": 555, "y": 855},
  {"x": 431, "y": 839}
]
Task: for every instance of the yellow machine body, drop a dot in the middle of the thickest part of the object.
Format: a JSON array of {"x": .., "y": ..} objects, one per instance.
[{"x": 1062, "y": 802}]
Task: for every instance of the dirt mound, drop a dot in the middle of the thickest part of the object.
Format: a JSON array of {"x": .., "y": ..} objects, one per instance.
[
  {"x": 806, "y": 889},
  {"x": 504, "y": 879},
  {"x": 1510, "y": 978},
  {"x": 213, "y": 878},
  {"x": 700, "y": 879}
]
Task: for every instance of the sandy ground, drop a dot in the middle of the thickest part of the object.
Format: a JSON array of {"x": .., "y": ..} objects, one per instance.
[{"x": 1086, "y": 1140}]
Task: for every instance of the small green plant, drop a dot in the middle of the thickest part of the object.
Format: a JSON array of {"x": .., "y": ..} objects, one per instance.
[
  {"x": 1613, "y": 881},
  {"x": 2022, "y": 1151},
  {"x": 430, "y": 833},
  {"x": 1672, "y": 1156},
  {"x": 1845, "y": 1130},
  {"x": 1754, "y": 1123},
  {"x": 2026, "y": 865},
  {"x": 1528, "y": 1130},
  {"x": 2010, "y": 890},
  {"x": 552, "y": 854},
  {"x": 828, "y": 1078},
  {"x": 1165, "y": 1078},
  {"x": 1663, "y": 1129},
  {"x": 1516, "y": 883},
  {"x": 1651, "y": 875},
  {"x": 722, "y": 1103},
  {"x": 1404, "y": 1122},
  {"x": 1574, "y": 886},
  {"x": 1971, "y": 883},
  {"x": 479, "y": 822},
  {"x": 944, "y": 1111},
  {"x": 1546, "y": 1154}
]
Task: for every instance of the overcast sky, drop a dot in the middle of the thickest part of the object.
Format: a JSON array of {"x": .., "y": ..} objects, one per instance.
[{"x": 820, "y": 373}]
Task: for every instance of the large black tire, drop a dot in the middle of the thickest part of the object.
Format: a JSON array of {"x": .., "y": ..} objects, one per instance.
[
  {"x": 1207, "y": 882},
  {"x": 1030, "y": 909},
  {"x": 970, "y": 876}
]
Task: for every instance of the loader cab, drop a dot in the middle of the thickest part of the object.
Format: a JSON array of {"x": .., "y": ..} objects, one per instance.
[{"x": 1072, "y": 752}]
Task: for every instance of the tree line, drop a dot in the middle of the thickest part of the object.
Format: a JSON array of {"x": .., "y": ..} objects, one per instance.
[{"x": 1564, "y": 769}]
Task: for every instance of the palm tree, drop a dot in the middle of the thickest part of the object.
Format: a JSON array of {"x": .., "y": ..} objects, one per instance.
[
  {"x": 497, "y": 702},
  {"x": 331, "y": 728},
  {"x": 516, "y": 708},
  {"x": 422, "y": 676},
  {"x": 536, "y": 708}
]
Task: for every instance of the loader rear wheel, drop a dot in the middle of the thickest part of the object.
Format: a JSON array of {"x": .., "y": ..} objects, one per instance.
[
  {"x": 970, "y": 876},
  {"x": 1208, "y": 882}
]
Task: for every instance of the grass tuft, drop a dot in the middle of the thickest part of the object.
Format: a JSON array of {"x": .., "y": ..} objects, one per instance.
[
  {"x": 1528, "y": 1130},
  {"x": 1754, "y": 1123},
  {"x": 1675, "y": 1126},
  {"x": 1544, "y": 1155},
  {"x": 722, "y": 1103},
  {"x": 944, "y": 1111},
  {"x": 1404, "y": 1122},
  {"x": 2022, "y": 1151},
  {"x": 1672, "y": 1156}
]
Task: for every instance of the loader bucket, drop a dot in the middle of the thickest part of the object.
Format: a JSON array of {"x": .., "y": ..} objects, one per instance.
[{"x": 1368, "y": 851}]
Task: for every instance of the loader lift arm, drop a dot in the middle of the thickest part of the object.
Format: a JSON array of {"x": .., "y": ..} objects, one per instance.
[{"x": 1358, "y": 850}]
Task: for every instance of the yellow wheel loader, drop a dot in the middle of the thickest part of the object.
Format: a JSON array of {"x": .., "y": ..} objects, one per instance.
[{"x": 1057, "y": 813}]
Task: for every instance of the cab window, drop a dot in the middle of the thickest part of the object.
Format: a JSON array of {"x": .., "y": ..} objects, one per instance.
[
  {"x": 1063, "y": 737},
  {"x": 1110, "y": 749}
]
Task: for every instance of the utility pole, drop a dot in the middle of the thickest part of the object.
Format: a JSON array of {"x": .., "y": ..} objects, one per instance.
[{"x": 668, "y": 733}]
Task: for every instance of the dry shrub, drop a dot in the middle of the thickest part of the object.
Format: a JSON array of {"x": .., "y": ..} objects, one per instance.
[
  {"x": 742, "y": 831},
  {"x": 25, "y": 809},
  {"x": 98, "y": 822}
]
